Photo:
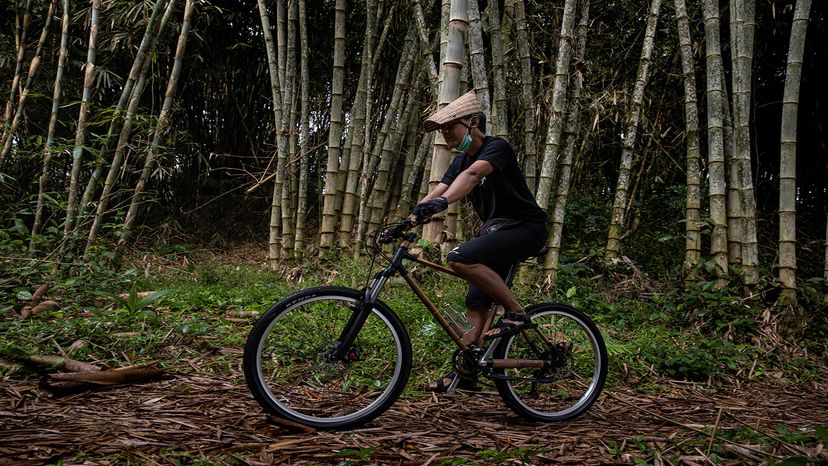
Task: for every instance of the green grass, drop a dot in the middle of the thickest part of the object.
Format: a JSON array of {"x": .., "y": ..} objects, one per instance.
[
  {"x": 202, "y": 311},
  {"x": 700, "y": 334}
]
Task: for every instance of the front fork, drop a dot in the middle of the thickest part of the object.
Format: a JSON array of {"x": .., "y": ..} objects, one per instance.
[{"x": 361, "y": 311}]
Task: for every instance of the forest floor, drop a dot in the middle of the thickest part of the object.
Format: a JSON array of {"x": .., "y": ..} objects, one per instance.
[
  {"x": 202, "y": 413},
  {"x": 189, "y": 419}
]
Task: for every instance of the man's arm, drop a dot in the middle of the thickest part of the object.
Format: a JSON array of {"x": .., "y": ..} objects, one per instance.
[
  {"x": 459, "y": 188},
  {"x": 436, "y": 192},
  {"x": 467, "y": 180}
]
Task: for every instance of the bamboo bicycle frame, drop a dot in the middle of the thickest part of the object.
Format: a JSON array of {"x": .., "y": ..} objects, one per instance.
[{"x": 396, "y": 266}]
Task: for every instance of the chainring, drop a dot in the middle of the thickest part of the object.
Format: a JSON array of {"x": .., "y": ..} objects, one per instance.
[{"x": 465, "y": 368}]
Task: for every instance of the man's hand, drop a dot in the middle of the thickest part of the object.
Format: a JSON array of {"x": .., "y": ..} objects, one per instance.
[{"x": 426, "y": 209}]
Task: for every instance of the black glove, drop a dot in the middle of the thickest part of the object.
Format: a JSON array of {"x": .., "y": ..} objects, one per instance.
[{"x": 430, "y": 207}]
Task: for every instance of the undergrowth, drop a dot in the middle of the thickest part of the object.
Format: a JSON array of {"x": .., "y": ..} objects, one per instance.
[{"x": 203, "y": 306}]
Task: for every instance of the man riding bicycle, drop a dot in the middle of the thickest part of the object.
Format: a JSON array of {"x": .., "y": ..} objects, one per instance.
[{"x": 485, "y": 172}]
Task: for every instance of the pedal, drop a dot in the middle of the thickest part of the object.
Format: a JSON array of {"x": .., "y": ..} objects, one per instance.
[{"x": 453, "y": 386}]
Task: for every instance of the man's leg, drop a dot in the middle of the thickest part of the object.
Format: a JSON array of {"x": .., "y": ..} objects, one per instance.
[
  {"x": 485, "y": 278},
  {"x": 477, "y": 317},
  {"x": 493, "y": 285}
]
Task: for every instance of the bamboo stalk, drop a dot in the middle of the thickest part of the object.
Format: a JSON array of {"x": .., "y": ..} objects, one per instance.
[
  {"x": 48, "y": 146},
  {"x": 715, "y": 139},
  {"x": 151, "y": 37},
  {"x": 628, "y": 154},
  {"x": 787, "y": 160},
  {"x": 34, "y": 66},
  {"x": 327, "y": 228},
  {"x": 80, "y": 131},
  {"x": 163, "y": 124}
]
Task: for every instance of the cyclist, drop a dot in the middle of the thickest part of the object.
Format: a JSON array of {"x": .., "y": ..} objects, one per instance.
[{"x": 486, "y": 172}]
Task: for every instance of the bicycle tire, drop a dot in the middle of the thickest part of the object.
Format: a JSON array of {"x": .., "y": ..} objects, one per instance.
[
  {"x": 287, "y": 372},
  {"x": 565, "y": 391}
]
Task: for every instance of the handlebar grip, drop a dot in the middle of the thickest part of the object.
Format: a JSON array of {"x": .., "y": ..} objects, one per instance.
[{"x": 389, "y": 235}]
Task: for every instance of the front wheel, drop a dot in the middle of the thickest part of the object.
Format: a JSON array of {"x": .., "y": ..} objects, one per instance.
[
  {"x": 290, "y": 371},
  {"x": 575, "y": 371}
]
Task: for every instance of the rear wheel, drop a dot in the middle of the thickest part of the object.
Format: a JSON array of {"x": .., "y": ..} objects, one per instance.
[
  {"x": 577, "y": 365},
  {"x": 289, "y": 369}
]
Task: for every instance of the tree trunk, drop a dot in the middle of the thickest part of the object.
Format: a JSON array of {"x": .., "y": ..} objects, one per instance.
[
  {"x": 275, "y": 229},
  {"x": 163, "y": 123},
  {"x": 425, "y": 47},
  {"x": 558, "y": 112},
  {"x": 281, "y": 43},
  {"x": 499, "y": 117},
  {"x": 715, "y": 139},
  {"x": 304, "y": 78},
  {"x": 417, "y": 171},
  {"x": 34, "y": 65},
  {"x": 742, "y": 13},
  {"x": 288, "y": 132},
  {"x": 20, "y": 35},
  {"x": 692, "y": 227},
  {"x": 734, "y": 203},
  {"x": 787, "y": 161},
  {"x": 551, "y": 261},
  {"x": 328, "y": 226},
  {"x": 630, "y": 135},
  {"x": 47, "y": 150},
  {"x": 478, "y": 58},
  {"x": 123, "y": 139},
  {"x": 80, "y": 131},
  {"x": 529, "y": 152},
  {"x": 408, "y": 132},
  {"x": 132, "y": 91},
  {"x": 358, "y": 110},
  {"x": 387, "y": 145},
  {"x": 458, "y": 25},
  {"x": 373, "y": 146}
]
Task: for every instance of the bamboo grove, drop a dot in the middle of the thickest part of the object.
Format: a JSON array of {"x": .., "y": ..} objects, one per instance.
[{"x": 667, "y": 128}]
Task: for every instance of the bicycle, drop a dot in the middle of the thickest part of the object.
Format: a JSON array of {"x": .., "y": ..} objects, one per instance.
[{"x": 334, "y": 357}]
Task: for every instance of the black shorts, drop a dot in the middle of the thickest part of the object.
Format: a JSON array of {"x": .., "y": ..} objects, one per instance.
[{"x": 498, "y": 250}]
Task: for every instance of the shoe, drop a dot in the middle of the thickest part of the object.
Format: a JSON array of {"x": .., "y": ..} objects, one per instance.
[
  {"x": 516, "y": 324},
  {"x": 440, "y": 386}
]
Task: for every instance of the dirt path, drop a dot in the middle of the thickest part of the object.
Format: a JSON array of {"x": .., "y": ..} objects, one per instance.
[{"x": 186, "y": 418}]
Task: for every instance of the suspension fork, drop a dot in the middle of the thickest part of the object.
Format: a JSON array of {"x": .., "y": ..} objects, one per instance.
[{"x": 362, "y": 308}]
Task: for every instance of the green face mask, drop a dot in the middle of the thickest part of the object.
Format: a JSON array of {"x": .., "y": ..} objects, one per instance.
[{"x": 467, "y": 140}]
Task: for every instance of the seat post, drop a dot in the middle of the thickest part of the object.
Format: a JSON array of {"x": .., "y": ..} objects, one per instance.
[{"x": 510, "y": 277}]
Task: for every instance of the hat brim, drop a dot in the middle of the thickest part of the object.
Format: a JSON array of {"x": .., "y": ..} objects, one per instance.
[{"x": 465, "y": 105}]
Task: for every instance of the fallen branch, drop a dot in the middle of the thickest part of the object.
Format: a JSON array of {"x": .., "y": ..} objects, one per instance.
[
  {"x": 39, "y": 292},
  {"x": 74, "y": 381},
  {"x": 63, "y": 363},
  {"x": 29, "y": 311},
  {"x": 110, "y": 377}
]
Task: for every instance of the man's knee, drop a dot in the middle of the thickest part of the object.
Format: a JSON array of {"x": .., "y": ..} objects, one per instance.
[{"x": 457, "y": 256}]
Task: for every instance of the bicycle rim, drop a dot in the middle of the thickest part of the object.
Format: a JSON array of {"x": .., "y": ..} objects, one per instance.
[
  {"x": 573, "y": 344},
  {"x": 293, "y": 378}
]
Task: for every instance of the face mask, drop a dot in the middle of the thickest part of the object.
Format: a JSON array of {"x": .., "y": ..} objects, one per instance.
[{"x": 467, "y": 140}]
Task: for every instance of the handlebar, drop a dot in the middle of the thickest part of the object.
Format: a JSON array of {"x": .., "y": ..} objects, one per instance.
[{"x": 391, "y": 233}]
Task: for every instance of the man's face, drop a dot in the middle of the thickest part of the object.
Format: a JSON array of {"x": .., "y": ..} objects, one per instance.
[{"x": 453, "y": 132}]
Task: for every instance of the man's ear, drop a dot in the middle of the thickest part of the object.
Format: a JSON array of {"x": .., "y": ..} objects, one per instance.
[{"x": 475, "y": 120}]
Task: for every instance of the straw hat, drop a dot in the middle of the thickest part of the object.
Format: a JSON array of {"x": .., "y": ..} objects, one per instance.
[{"x": 464, "y": 105}]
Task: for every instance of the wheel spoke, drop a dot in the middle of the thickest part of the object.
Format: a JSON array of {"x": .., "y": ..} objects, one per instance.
[
  {"x": 576, "y": 350},
  {"x": 287, "y": 366}
]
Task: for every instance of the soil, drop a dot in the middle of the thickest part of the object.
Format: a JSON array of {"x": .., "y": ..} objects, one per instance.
[{"x": 186, "y": 419}]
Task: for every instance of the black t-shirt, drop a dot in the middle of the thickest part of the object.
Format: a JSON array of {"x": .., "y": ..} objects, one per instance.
[{"x": 503, "y": 193}]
